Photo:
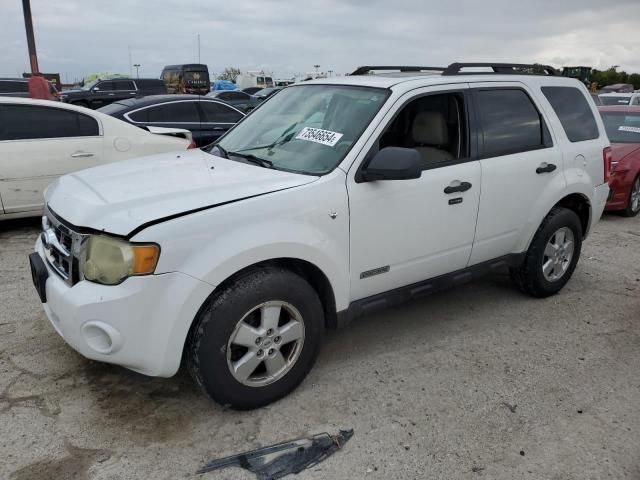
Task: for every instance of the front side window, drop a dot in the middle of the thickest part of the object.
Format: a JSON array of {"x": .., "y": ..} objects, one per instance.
[
  {"x": 123, "y": 85},
  {"x": 104, "y": 86},
  {"x": 573, "y": 111},
  {"x": 510, "y": 122},
  {"x": 622, "y": 127},
  {"x": 307, "y": 128},
  {"x": 26, "y": 122},
  {"x": 434, "y": 125},
  {"x": 178, "y": 112}
]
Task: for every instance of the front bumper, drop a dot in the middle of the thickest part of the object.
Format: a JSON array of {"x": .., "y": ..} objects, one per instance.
[{"x": 140, "y": 324}]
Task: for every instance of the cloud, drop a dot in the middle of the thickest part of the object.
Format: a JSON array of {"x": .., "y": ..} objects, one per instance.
[{"x": 76, "y": 37}]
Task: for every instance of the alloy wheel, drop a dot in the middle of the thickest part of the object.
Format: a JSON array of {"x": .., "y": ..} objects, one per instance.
[
  {"x": 634, "y": 200},
  {"x": 265, "y": 344},
  {"x": 558, "y": 254}
]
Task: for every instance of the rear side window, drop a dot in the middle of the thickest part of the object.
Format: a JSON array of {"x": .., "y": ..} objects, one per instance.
[
  {"x": 215, "y": 112},
  {"x": 12, "y": 86},
  {"x": 573, "y": 111},
  {"x": 179, "y": 112},
  {"x": 510, "y": 122},
  {"x": 26, "y": 122}
]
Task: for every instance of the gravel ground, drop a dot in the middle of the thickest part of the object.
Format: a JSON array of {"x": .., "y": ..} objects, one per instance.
[{"x": 476, "y": 382}]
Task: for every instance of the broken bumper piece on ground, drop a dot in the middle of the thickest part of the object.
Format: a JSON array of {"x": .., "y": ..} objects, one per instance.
[{"x": 277, "y": 461}]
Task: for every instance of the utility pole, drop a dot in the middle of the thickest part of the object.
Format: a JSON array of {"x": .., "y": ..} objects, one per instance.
[
  {"x": 130, "y": 62},
  {"x": 198, "y": 48},
  {"x": 31, "y": 41},
  {"x": 137, "y": 65}
]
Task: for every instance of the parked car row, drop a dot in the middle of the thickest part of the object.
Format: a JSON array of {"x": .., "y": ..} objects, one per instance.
[{"x": 19, "y": 87}]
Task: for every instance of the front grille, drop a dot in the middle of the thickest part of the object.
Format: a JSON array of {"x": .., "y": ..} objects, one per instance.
[{"x": 62, "y": 247}]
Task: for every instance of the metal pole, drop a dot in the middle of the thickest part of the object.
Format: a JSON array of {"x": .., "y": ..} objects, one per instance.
[
  {"x": 31, "y": 41},
  {"x": 130, "y": 62}
]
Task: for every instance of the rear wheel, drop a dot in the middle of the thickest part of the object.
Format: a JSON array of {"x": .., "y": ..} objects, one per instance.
[
  {"x": 257, "y": 339},
  {"x": 552, "y": 255},
  {"x": 633, "y": 207}
]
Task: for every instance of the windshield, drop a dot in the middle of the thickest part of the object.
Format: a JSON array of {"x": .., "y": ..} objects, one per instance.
[
  {"x": 306, "y": 129},
  {"x": 622, "y": 127},
  {"x": 90, "y": 85},
  {"x": 615, "y": 100}
]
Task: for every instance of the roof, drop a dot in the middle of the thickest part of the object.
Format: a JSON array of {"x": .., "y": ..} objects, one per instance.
[
  {"x": 402, "y": 80},
  {"x": 620, "y": 109},
  {"x": 155, "y": 99}
]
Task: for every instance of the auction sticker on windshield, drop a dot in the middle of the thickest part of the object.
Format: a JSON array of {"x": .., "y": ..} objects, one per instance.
[
  {"x": 317, "y": 135},
  {"x": 624, "y": 128}
]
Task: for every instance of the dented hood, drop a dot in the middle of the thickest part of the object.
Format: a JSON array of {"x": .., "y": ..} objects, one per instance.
[{"x": 120, "y": 197}]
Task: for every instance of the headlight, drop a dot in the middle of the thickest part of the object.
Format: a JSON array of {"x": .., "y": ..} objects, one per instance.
[{"x": 109, "y": 260}]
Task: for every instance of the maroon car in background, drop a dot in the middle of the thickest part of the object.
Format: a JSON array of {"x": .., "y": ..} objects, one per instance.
[{"x": 623, "y": 128}]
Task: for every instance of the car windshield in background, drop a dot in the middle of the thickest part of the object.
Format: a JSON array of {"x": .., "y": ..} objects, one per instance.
[
  {"x": 307, "y": 129},
  {"x": 615, "y": 100},
  {"x": 622, "y": 127}
]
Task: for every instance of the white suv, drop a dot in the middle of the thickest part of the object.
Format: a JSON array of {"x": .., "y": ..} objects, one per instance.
[{"x": 335, "y": 197}]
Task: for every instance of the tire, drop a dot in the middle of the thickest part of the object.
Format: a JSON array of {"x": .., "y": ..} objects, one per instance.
[
  {"x": 634, "y": 199},
  {"x": 230, "y": 336},
  {"x": 531, "y": 277}
]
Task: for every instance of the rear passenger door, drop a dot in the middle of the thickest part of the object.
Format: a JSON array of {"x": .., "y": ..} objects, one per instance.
[
  {"x": 521, "y": 166},
  {"x": 122, "y": 89},
  {"x": 217, "y": 118},
  {"x": 38, "y": 144}
]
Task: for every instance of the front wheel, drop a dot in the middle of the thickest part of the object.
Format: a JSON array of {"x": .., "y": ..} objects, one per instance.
[
  {"x": 633, "y": 208},
  {"x": 552, "y": 255},
  {"x": 257, "y": 339}
]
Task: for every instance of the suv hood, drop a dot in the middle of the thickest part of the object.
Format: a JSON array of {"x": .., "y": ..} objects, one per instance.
[{"x": 120, "y": 197}]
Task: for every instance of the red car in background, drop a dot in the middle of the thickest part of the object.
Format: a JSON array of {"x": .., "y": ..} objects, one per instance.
[{"x": 623, "y": 128}]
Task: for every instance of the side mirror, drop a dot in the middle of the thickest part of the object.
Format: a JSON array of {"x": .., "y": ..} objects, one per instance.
[{"x": 392, "y": 163}]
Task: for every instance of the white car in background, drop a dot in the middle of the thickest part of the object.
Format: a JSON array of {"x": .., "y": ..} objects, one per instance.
[
  {"x": 620, "y": 99},
  {"x": 41, "y": 140}
]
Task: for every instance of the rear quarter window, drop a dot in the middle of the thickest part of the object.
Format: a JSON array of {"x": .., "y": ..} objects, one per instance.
[{"x": 574, "y": 112}]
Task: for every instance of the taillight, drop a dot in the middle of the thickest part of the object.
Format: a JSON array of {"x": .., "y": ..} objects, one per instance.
[
  {"x": 191, "y": 146},
  {"x": 607, "y": 159}
]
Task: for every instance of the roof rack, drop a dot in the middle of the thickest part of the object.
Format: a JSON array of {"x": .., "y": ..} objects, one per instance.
[
  {"x": 367, "y": 69},
  {"x": 501, "y": 68}
]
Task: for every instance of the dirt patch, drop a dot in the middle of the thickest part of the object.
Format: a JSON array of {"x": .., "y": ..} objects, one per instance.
[{"x": 73, "y": 466}]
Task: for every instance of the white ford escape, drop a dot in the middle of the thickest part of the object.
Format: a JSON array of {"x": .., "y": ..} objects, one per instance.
[{"x": 335, "y": 197}]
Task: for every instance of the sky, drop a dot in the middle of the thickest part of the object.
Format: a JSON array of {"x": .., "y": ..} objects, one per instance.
[{"x": 286, "y": 37}]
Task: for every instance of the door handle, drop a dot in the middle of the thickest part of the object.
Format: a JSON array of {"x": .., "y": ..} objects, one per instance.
[
  {"x": 545, "y": 168},
  {"x": 456, "y": 187},
  {"x": 111, "y": 94},
  {"x": 217, "y": 128},
  {"x": 81, "y": 155}
]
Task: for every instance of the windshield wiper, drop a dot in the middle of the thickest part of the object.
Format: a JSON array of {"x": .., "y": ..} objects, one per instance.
[
  {"x": 281, "y": 140},
  {"x": 263, "y": 162}
]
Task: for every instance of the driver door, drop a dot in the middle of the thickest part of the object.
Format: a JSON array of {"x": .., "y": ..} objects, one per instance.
[{"x": 406, "y": 231}]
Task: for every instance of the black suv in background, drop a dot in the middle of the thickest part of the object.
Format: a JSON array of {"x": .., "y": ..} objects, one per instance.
[{"x": 103, "y": 92}]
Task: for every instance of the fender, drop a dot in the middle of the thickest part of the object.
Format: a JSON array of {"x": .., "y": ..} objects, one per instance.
[{"x": 583, "y": 189}]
